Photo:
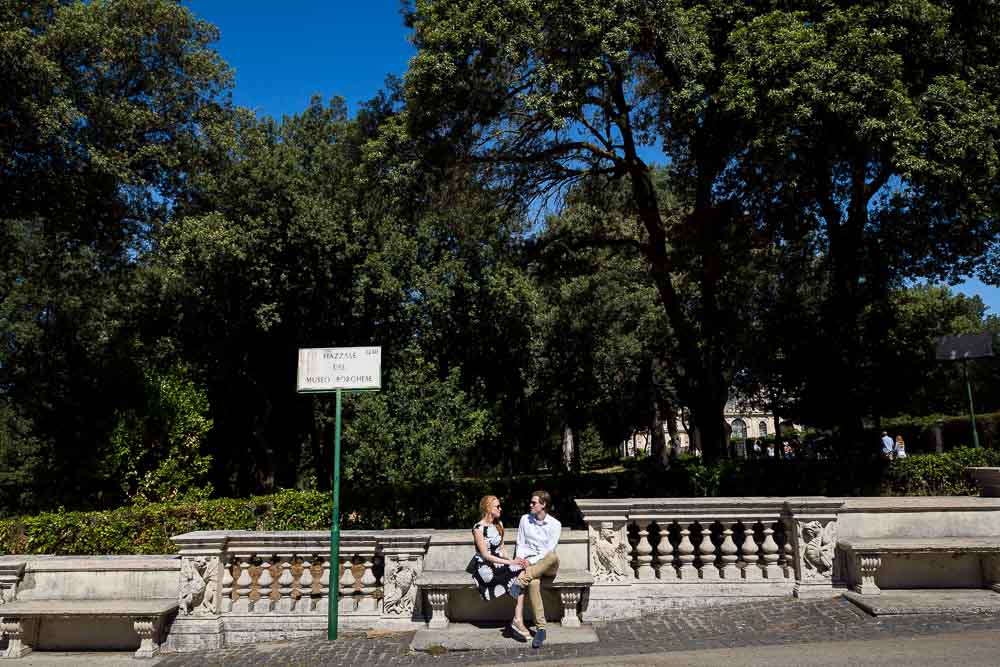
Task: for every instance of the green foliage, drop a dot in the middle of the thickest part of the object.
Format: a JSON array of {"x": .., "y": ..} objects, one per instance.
[
  {"x": 146, "y": 528},
  {"x": 418, "y": 429},
  {"x": 155, "y": 451},
  {"x": 938, "y": 474}
]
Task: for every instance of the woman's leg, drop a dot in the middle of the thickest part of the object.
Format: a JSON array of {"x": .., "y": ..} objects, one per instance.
[{"x": 519, "y": 611}]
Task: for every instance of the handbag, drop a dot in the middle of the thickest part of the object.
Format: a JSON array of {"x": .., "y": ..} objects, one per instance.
[{"x": 473, "y": 566}]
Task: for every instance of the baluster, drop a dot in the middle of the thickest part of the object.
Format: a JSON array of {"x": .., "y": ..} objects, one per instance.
[
  {"x": 285, "y": 581},
  {"x": 264, "y": 603},
  {"x": 227, "y": 587},
  {"x": 728, "y": 549},
  {"x": 644, "y": 553},
  {"x": 243, "y": 585},
  {"x": 748, "y": 553},
  {"x": 789, "y": 551},
  {"x": 685, "y": 555},
  {"x": 347, "y": 580},
  {"x": 665, "y": 553},
  {"x": 707, "y": 551},
  {"x": 769, "y": 548},
  {"x": 324, "y": 586},
  {"x": 368, "y": 601},
  {"x": 304, "y": 603}
]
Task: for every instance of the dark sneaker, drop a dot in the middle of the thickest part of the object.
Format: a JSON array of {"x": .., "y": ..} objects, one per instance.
[{"x": 539, "y": 638}]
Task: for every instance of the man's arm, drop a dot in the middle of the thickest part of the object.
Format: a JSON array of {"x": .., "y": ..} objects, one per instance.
[
  {"x": 553, "y": 536},
  {"x": 522, "y": 545}
]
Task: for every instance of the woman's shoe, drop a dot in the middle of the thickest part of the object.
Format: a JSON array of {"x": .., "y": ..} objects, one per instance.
[{"x": 519, "y": 632}]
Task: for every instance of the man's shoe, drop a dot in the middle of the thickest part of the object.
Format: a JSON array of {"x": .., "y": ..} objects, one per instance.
[
  {"x": 515, "y": 588},
  {"x": 519, "y": 632},
  {"x": 539, "y": 638}
]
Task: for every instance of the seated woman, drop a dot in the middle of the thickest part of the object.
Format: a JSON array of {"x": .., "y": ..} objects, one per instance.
[{"x": 490, "y": 567}]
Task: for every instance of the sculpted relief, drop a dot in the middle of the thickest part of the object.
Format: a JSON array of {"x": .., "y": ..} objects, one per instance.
[
  {"x": 400, "y": 591},
  {"x": 198, "y": 585},
  {"x": 611, "y": 554},
  {"x": 818, "y": 546}
]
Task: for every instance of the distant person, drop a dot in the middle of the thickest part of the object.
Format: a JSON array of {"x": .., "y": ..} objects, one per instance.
[
  {"x": 756, "y": 449},
  {"x": 899, "y": 451},
  {"x": 490, "y": 568},
  {"x": 887, "y": 445},
  {"x": 770, "y": 450}
]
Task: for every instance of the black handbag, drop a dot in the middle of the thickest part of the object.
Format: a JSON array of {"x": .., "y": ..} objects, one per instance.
[{"x": 473, "y": 566}]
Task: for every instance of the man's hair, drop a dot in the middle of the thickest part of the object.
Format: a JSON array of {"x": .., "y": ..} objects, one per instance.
[{"x": 543, "y": 497}]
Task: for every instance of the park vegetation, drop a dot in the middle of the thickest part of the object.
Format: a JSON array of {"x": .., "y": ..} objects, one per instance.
[{"x": 568, "y": 221}]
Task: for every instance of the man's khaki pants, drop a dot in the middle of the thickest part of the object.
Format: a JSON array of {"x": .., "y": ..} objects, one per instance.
[{"x": 531, "y": 578}]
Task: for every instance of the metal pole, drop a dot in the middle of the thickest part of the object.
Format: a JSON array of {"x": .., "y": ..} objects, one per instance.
[
  {"x": 972, "y": 407},
  {"x": 331, "y": 617}
]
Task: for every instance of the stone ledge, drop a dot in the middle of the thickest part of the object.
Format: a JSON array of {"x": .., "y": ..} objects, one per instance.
[
  {"x": 469, "y": 637},
  {"x": 450, "y": 579},
  {"x": 875, "y": 505},
  {"x": 919, "y": 545},
  {"x": 104, "y": 608},
  {"x": 928, "y": 601}
]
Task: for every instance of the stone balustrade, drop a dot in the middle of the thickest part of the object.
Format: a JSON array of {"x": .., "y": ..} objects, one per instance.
[
  {"x": 651, "y": 553},
  {"x": 241, "y": 586}
]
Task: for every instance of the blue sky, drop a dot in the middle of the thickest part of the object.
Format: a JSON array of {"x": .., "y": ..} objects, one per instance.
[{"x": 284, "y": 54}]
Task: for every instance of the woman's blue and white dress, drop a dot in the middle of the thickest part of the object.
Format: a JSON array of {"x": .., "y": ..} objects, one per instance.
[{"x": 493, "y": 579}]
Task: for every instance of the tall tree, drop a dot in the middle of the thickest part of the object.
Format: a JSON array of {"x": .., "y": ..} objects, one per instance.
[
  {"x": 101, "y": 107},
  {"x": 784, "y": 122}
]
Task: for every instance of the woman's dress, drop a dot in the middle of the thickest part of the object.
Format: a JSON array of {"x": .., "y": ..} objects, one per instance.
[{"x": 493, "y": 579}]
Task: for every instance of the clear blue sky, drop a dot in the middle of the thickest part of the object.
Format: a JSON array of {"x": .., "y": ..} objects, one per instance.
[{"x": 284, "y": 54}]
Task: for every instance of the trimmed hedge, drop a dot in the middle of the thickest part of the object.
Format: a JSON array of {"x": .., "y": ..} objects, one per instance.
[{"x": 146, "y": 529}]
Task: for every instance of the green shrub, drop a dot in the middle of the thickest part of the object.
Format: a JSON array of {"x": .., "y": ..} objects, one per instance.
[{"x": 147, "y": 528}]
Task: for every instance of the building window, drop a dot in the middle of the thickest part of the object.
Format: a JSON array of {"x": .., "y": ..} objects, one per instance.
[
  {"x": 739, "y": 429},
  {"x": 763, "y": 429}
]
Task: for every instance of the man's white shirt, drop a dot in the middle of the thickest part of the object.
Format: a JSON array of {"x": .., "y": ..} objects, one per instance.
[{"x": 536, "y": 538}]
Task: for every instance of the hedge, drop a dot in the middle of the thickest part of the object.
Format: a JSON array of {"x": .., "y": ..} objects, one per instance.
[{"x": 146, "y": 529}]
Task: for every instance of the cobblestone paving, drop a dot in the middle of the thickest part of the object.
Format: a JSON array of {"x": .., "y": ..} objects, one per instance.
[{"x": 751, "y": 624}]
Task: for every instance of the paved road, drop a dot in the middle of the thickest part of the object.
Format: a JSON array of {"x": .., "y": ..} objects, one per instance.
[{"x": 776, "y": 633}]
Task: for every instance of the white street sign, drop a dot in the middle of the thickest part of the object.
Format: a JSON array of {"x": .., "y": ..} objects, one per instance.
[{"x": 331, "y": 368}]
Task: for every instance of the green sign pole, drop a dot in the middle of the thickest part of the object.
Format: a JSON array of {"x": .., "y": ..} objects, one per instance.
[
  {"x": 972, "y": 406},
  {"x": 331, "y": 618}
]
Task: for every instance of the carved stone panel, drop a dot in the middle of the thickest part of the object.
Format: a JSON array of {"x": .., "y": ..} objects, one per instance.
[
  {"x": 818, "y": 542},
  {"x": 199, "y": 585},
  {"x": 609, "y": 551}
]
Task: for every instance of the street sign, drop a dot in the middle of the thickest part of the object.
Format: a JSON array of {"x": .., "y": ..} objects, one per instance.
[
  {"x": 963, "y": 348},
  {"x": 332, "y": 368},
  {"x": 336, "y": 370},
  {"x": 969, "y": 346}
]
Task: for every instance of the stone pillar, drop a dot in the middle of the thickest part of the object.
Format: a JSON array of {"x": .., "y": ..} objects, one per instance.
[
  {"x": 644, "y": 552},
  {"x": 868, "y": 566},
  {"x": 748, "y": 552},
  {"x": 813, "y": 524},
  {"x": 18, "y": 632},
  {"x": 403, "y": 553},
  {"x": 769, "y": 547},
  {"x": 729, "y": 550},
  {"x": 706, "y": 549},
  {"x": 149, "y": 646},
  {"x": 570, "y": 599},
  {"x": 685, "y": 554},
  {"x": 201, "y": 585}
]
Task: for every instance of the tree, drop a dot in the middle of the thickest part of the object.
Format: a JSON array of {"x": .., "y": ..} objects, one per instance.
[
  {"x": 100, "y": 114},
  {"x": 782, "y": 123}
]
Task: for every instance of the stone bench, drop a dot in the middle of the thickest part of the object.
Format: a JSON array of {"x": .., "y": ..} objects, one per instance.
[
  {"x": 21, "y": 620},
  {"x": 865, "y": 555},
  {"x": 572, "y": 585}
]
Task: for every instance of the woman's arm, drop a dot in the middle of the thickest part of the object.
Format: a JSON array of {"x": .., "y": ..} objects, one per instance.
[{"x": 484, "y": 550}]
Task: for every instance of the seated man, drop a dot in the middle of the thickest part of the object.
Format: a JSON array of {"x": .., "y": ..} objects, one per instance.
[{"x": 537, "y": 537}]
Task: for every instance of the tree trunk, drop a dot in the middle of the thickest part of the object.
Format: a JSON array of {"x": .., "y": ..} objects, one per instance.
[
  {"x": 569, "y": 456},
  {"x": 658, "y": 442}
]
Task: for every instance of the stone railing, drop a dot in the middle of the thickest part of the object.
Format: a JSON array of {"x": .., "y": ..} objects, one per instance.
[
  {"x": 648, "y": 553},
  {"x": 239, "y": 586}
]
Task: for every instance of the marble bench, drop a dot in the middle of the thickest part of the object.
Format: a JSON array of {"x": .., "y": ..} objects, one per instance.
[
  {"x": 571, "y": 585},
  {"x": 21, "y": 620},
  {"x": 864, "y": 555}
]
